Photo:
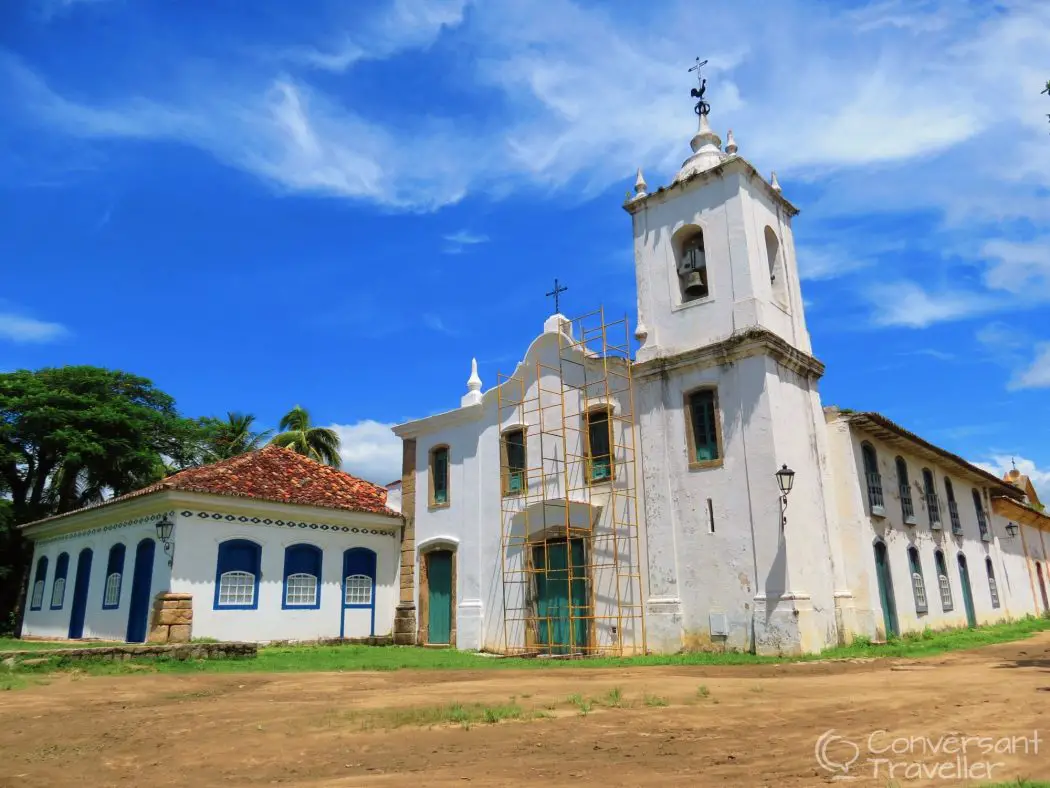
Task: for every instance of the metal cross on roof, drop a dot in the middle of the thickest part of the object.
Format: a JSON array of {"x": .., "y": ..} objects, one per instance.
[
  {"x": 557, "y": 291},
  {"x": 702, "y": 107}
]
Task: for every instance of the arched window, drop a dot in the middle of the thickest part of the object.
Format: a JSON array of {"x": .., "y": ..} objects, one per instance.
[
  {"x": 359, "y": 577},
  {"x": 943, "y": 582},
  {"x": 777, "y": 279},
  {"x": 36, "y": 601},
  {"x": 439, "y": 476},
  {"x": 302, "y": 576},
  {"x": 598, "y": 449},
  {"x": 874, "y": 480},
  {"x": 993, "y": 589},
  {"x": 114, "y": 578},
  {"x": 692, "y": 267},
  {"x": 953, "y": 507},
  {"x": 58, "y": 589},
  {"x": 918, "y": 586},
  {"x": 907, "y": 505},
  {"x": 237, "y": 575},
  {"x": 513, "y": 449},
  {"x": 982, "y": 520},
  {"x": 933, "y": 503}
]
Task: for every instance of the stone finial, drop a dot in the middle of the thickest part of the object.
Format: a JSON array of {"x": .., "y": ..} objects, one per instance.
[
  {"x": 775, "y": 183},
  {"x": 640, "y": 187},
  {"x": 707, "y": 151},
  {"x": 473, "y": 395},
  {"x": 731, "y": 147}
]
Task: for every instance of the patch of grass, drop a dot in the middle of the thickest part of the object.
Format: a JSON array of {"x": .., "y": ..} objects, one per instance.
[
  {"x": 758, "y": 689},
  {"x": 1019, "y": 784},
  {"x": 655, "y": 700},
  {"x": 581, "y": 703},
  {"x": 447, "y": 714},
  {"x": 12, "y": 681},
  {"x": 702, "y": 691},
  {"x": 613, "y": 698},
  {"x": 17, "y": 644}
]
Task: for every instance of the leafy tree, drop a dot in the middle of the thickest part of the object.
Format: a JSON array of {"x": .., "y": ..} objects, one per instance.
[
  {"x": 71, "y": 435},
  {"x": 234, "y": 436},
  {"x": 317, "y": 443}
]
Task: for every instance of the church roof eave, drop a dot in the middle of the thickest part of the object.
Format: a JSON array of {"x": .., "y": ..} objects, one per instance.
[{"x": 731, "y": 164}]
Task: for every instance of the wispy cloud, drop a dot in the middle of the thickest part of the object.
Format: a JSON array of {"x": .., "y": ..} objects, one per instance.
[
  {"x": 908, "y": 304},
  {"x": 999, "y": 464},
  {"x": 19, "y": 328},
  {"x": 435, "y": 323},
  {"x": 457, "y": 242},
  {"x": 1035, "y": 375}
]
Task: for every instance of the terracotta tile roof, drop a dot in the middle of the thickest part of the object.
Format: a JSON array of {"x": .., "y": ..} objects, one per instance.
[{"x": 274, "y": 474}]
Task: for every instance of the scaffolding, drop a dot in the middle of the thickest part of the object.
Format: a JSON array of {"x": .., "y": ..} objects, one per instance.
[{"x": 569, "y": 510}]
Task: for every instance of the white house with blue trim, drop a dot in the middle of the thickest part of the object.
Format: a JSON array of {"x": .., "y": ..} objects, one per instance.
[{"x": 267, "y": 546}]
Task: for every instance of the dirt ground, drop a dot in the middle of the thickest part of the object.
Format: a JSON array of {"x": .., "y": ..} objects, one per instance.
[{"x": 727, "y": 726}]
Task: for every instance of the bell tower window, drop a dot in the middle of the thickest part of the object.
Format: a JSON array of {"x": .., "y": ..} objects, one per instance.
[{"x": 692, "y": 267}]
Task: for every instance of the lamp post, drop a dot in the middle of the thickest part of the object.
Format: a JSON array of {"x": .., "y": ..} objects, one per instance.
[
  {"x": 785, "y": 481},
  {"x": 164, "y": 529},
  {"x": 1012, "y": 528}
]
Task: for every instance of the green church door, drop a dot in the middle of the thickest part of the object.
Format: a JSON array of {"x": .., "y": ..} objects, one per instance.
[
  {"x": 439, "y": 595},
  {"x": 964, "y": 576},
  {"x": 889, "y": 605},
  {"x": 561, "y": 596}
]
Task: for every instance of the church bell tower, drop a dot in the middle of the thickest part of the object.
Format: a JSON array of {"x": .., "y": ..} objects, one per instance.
[{"x": 727, "y": 390}]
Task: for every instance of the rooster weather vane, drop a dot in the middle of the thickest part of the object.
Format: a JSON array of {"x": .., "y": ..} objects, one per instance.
[{"x": 702, "y": 107}]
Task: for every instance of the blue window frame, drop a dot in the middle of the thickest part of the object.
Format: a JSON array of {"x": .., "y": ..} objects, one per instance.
[
  {"x": 36, "y": 599},
  {"x": 58, "y": 588},
  {"x": 237, "y": 572},
  {"x": 114, "y": 578},
  {"x": 359, "y": 583},
  {"x": 302, "y": 577}
]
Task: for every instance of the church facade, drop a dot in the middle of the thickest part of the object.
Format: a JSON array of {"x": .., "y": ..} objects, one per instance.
[{"x": 559, "y": 513}]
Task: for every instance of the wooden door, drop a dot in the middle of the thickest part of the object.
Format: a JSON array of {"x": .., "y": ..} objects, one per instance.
[{"x": 439, "y": 593}]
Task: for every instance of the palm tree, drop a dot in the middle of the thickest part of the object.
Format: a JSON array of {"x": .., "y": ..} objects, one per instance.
[
  {"x": 235, "y": 436},
  {"x": 317, "y": 443}
]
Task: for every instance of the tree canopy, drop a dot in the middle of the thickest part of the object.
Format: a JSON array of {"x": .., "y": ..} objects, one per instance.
[{"x": 299, "y": 435}]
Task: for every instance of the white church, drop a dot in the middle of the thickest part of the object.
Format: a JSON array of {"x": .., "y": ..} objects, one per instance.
[{"x": 692, "y": 494}]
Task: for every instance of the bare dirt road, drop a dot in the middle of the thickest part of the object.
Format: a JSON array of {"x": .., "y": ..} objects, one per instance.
[{"x": 726, "y": 726}]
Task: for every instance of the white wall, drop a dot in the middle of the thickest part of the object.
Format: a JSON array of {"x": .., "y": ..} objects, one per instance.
[
  {"x": 98, "y": 623},
  {"x": 860, "y": 531},
  {"x": 197, "y": 544}
]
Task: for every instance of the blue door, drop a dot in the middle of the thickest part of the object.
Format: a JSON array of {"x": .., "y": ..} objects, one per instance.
[
  {"x": 138, "y": 611},
  {"x": 80, "y": 594}
]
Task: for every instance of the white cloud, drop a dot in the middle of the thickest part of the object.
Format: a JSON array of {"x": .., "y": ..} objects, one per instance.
[
  {"x": 827, "y": 261},
  {"x": 370, "y": 450},
  {"x": 999, "y": 464},
  {"x": 402, "y": 25},
  {"x": 435, "y": 323},
  {"x": 18, "y": 328},
  {"x": 1037, "y": 374},
  {"x": 909, "y": 305},
  {"x": 457, "y": 242}
]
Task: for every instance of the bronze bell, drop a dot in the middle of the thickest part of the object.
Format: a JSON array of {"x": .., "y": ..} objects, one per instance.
[{"x": 694, "y": 285}]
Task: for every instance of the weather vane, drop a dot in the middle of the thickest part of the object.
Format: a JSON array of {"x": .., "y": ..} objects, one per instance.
[{"x": 702, "y": 107}]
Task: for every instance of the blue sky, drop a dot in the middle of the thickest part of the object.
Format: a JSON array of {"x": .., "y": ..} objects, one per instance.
[{"x": 339, "y": 204}]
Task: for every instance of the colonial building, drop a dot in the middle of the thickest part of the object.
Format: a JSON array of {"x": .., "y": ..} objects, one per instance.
[
  {"x": 597, "y": 500},
  {"x": 266, "y": 546}
]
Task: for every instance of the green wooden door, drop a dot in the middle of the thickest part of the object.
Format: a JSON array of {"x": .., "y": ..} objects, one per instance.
[
  {"x": 964, "y": 576},
  {"x": 889, "y": 605},
  {"x": 439, "y": 587},
  {"x": 561, "y": 596}
]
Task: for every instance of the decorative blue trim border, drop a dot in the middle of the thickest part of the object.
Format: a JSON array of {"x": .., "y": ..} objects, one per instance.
[
  {"x": 101, "y": 529},
  {"x": 346, "y": 529}
]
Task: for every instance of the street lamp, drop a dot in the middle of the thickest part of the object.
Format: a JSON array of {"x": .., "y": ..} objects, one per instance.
[
  {"x": 1012, "y": 528},
  {"x": 164, "y": 529},
  {"x": 785, "y": 481}
]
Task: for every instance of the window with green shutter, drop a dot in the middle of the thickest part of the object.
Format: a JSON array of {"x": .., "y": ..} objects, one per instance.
[
  {"x": 703, "y": 412},
  {"x": 599, "y": 457},
  {"x": 514, "y": 461},
  {"x": 918, "y": 586},
  {"x": 439, "y": 476}
]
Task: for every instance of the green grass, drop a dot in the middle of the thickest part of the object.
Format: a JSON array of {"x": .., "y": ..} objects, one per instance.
[
  {"x": 302, "y": 658},
  {"x": 1019, "y": 784},
  {"x": 15, "y": 644},
  {"x": 445, "y": 714}
]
